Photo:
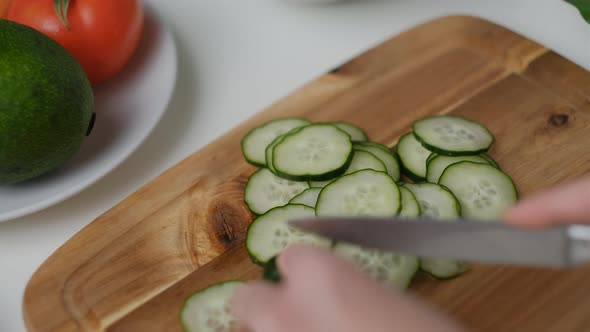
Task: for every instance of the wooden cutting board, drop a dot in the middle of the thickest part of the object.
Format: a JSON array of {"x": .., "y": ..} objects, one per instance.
[{"x": 131, "y": 268}]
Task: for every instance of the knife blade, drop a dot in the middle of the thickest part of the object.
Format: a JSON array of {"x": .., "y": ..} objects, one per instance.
[{"x": 491, "y": 242}]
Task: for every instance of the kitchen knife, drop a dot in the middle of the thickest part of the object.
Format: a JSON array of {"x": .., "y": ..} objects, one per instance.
[{"x": 486, "y": 242}]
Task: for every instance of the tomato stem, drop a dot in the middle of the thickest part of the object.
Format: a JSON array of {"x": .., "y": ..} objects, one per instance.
[{"x": 61, "y": 9}]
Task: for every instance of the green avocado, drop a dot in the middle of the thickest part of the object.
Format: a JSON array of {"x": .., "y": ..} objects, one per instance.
[{"x": 46, "y": 103}]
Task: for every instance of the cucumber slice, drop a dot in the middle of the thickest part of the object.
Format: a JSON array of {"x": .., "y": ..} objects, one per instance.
[
  {"x": 360, "y": 160},
  {"x": 386, "y": 267},
  {"x": 490, "y": 160},
  {"x": 266, "y": 190},
  {"x": 208, "y": 310},
  {"x": 412, "y": 156},
  {"x": 483, "y": 190},
  {"x": 442, "y": 268},
  {"x": 435, "y": 201},
  {"x": 257, "y": 139},
  {"x": 317, "y": 152},
  {"x": 410, "y": 206},
  {"x": 269, "y": 234},
  {"x": 438, "y": 164},
  {"x": 384, "y": 154},
  {"x": 356, "y": 133},
  {"x": 364, "y": 192},
  {"x": 307, "y": 197},
  {"x": 452, "y": 135}
]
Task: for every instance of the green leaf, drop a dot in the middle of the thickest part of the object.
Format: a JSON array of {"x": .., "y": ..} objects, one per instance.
[
  {"x": 583, "y": 6},
  {"x": 61, "y": 9}
]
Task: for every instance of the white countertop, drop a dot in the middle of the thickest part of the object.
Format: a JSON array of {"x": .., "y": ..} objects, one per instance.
[{"x": 237, "y": 57}]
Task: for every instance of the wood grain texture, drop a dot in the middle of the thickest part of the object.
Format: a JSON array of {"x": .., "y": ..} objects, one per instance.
[{"x": 130, "y": 269}]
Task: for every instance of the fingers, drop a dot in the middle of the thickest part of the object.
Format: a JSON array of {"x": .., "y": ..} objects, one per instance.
[
  {"x": 251, "y": 305},
  {"x": 567, "y": 203},
  {"x": 301, "y": 262}
]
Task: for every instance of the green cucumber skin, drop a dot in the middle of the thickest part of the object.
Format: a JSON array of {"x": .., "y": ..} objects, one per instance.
[
  {"x": 361, "y": 130},
  {"x": 459, "y": 273},
  {"x": 432, "y": 156},
  {"x": 322, "y": 177},
  {"x": 429, "y": 161},
  {"x": 242, "y": 141},
  {"x": 483, "y": 155},
  {"x": 454, "y": 153},
  {"x": 276, "y": 141},
  {"x": 369, "y": 144},
  {"x": 375, "y": 144},
  {"x": 491, "y": 160},
  {"x": 450, "y": 153},
  {"x": 404, "y": 170},
  {"x": 245, "y": 193},
  {"x": 252, "y": 162},
  {"x": 412, "y": 176},
  {"x": 271, "y": 271},
  {"x": 270, "y": 146},
  {"x": 401, "y": 184}
]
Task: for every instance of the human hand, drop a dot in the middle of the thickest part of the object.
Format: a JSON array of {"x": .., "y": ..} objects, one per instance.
[
  {"x": 321, "y": 292},
  {"x": 565, "y": 204}
]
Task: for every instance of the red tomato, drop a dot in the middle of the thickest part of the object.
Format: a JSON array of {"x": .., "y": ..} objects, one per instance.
[
  {"x": 102, "y": 34},
  {"x": 4, "y": 7}
]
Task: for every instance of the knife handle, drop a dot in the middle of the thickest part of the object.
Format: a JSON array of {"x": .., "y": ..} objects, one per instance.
[{"x": 579, "y": 244}]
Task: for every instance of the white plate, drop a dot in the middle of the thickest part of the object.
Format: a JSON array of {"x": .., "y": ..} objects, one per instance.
[{"x": 127, "y": 109}]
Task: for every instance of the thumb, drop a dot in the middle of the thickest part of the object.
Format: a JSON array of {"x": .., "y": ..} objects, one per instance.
[{"x": 565, "y": 204}]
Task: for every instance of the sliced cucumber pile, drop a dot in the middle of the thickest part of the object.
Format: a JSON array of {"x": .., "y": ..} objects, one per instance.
[
  {"x": 208, "y": 310},
  {"x": 474, "y": 185},
  {"x": 447, "y": 142},
  {"x": 332, "y": 169},
  {"x": 324, "y": 168}
]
